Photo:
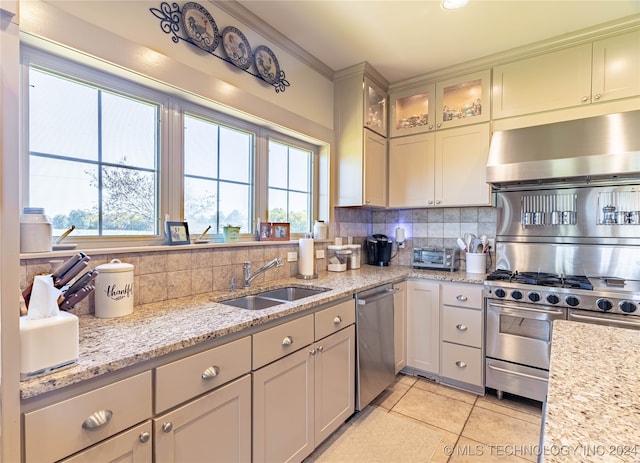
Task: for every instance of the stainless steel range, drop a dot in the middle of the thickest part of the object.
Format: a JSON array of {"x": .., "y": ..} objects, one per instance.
[{"x": 567, "y": 241}]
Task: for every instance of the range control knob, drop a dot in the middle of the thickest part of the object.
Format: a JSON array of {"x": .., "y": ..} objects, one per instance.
[
  {"x": 517, "y": 295},
  {"x": 627, "y": 306},
  {"x": 500, "y": 292},
  {"x": 534, "y": 297},
  {"x": 572, "y": 301},
  {"x": 604, "y": 304},
  {"x": 553, "y": 299}
]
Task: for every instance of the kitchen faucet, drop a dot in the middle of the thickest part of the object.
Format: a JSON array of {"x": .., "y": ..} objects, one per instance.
[{"x": 248, "y": 278}]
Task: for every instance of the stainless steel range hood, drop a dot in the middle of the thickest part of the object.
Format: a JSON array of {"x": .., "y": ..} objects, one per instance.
[{"x": 583, "y": 150}]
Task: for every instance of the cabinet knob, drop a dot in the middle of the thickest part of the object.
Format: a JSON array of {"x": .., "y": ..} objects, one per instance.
[
  {"x": 438, "y": 201},
  {"x": 167, "y": 427},
  {"x": 461, "y": 298},
  {"x": 211, "y": 372},
  {"x": 462, "y": 327},
  {"x": 144, "y": 437},
  {"x": 585, "y": 99},
  {"x": 287, "y": 341},
  {"x": 461, "y": 364},
  {"x": 312, "y": 352},
  {"x": 97, "y": 419},
  {"x": 367, "y": 201},
  {"x": 337, "y": 320},
  {"x": 320, "y": 348},
  {"x": 431, "y": 127},
  {"x": 597, "y": 96},
  {"x": 438, "y": 125},
  {"x": 430, "y": 202}
]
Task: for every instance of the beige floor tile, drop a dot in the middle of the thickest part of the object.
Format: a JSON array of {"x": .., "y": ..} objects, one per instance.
[
  {"x": 432, "y": 386},
  {"x": 406, "y": 379},
  {"x": 390, "y": 396},
  {"x": 517, "y": 407},
  {"x": 470, "y": 451},
  {"x": 434, "y": 409},
  {"x": 497, "y": 429},
  {"x": 448, "y": 439}
]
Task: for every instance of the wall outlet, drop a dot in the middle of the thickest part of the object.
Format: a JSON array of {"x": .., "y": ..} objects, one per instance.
[
  {"x": 292, "y": 256},
  {"x": 320, "y": 254}
]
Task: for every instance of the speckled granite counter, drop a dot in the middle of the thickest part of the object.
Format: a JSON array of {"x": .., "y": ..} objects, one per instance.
[
  {"x": 593, "y": 404},
  {"x": 154, "y": 330}
]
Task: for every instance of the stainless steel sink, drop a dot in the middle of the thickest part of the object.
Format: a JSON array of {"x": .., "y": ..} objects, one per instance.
[
  {"x": 252, "y": 302},
  {"x": 291, "y": 293}
]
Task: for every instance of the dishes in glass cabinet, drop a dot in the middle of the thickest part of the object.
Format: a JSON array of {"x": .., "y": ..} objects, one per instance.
[
  {"x": 237, "y": 47},
  {"x": 200, "y": 27},
  {"x": 266, "y": 64}
]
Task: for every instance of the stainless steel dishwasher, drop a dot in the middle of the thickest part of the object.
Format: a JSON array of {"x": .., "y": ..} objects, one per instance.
[{"x": 375, "y": 354}]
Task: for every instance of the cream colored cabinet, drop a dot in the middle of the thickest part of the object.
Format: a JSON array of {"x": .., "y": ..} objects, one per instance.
[
  {"x": 594, "y": 72},
  {"x": 400, "y": 324},
  {"x": 462, "y": 336},
  {"x": 412, "y": 111},
  {"x": 360, "y": 111},
  {"x": 423, "y": 326},
  {"x": 215, "y": 427},
  {"x": 445, "y": 168}
]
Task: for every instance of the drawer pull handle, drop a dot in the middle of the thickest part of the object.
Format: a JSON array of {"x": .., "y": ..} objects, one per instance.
[
  {"x": 462, "y": 298},
  {"x": 461, "y": 364},
  {"x": 167, "y": 427},
  {"x": 211, "y": 372},
  {"x": 144, "y": 437},
  {"x": 97, "y": 419},
  {"x": 337, "y": 320},
  {"x": 287, "y": 341},
  {"x": 462, "y": 327}
]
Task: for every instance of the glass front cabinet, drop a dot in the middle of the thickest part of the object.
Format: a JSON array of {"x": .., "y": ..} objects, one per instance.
[{"x": 375, "y": 108}]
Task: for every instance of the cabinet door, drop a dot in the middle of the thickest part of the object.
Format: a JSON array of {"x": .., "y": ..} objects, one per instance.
[
  {"x": 413, "y": 111},
  {"x": 335, "y": 381},
  {"x": 132, "y": 446},
  {"x": 400, "y": 324},
  {"x": 423, "y": 325},
  {"x": 375, "y": 108},
  {"x": 283, "y": 409},
  {"x": 542, "y": 83},
  {"x": 375, "y": 169},
  {"x": 463, "y": 100},
  {"x": 213, "y": 428},
  {"x": 460, "y": 166},
  {"x": 411, "y": 168},
  {"x": 616, "y": 67}
]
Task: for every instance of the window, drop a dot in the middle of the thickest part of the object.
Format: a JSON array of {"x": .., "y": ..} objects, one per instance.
[{"x": 93, "y": 157}]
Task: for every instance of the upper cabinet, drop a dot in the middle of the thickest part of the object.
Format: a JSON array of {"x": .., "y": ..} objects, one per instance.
[
  {"x": 360, "y": 120},
  {"x": 450, "y": 103},
  {"x": 595, "y": 72}
]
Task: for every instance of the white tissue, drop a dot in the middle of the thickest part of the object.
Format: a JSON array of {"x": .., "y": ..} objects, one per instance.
[
  {"x": 44, "y": 298},
  {"x": 305, "y": 261}
]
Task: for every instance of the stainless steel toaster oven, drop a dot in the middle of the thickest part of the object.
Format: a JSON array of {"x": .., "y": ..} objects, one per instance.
[{"x": 436, "y": 259}]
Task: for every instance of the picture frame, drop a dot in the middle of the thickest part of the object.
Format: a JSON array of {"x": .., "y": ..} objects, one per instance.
[
  {"x": 265, "y": 232},
  {"x": 280, "y": 231},
  {"x": 177, "y": 232}
]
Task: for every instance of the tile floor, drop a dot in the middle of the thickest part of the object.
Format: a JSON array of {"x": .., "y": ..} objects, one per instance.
[{"x": 475, "y": 429}]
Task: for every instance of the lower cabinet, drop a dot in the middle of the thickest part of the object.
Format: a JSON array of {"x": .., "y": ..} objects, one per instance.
[
  {"x": 400, "y": 324},
  {"x": 423, "y": 326}
]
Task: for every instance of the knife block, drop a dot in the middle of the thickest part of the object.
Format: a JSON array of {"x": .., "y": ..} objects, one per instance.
[{"x": 48, "y": 344}]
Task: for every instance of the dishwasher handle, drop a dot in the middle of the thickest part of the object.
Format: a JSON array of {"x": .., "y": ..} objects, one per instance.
[{"x": 378, "y": 296}]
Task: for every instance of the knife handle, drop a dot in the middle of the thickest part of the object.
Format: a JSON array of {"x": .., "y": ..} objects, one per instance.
[
  {"x": 67, "y": 265},
  {"x": 71, "y": 273}
]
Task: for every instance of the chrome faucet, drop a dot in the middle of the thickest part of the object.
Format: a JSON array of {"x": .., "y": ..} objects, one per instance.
[{"x": 248, "y": 277}]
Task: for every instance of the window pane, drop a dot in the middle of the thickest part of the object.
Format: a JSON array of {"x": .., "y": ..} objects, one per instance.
[
  {"x": 235, "y": 155},
  {"x": 200, "y": 204},
  {"x": 234, "y": 206},
  {"x": 299, "y": 169},
  {"x": 278, "y": 168},
  {"x": 278, "y": 207},
  {"x": 128, "y": 198},
  {"x": 200, "y": 147},
  {"x": 298, "y": 212}
]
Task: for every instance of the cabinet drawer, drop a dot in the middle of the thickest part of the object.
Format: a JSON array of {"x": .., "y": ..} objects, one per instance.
[
  {"x": 58, "y": 430},
  {"x": 462, "y": 295},
  {"x": 183, "y": 379},
  {"x": 281, "y": 340},
  {"x": 462, "y": 326},
  {"x": 462, "y": 363},
  {"x": 334, "y": 318}
]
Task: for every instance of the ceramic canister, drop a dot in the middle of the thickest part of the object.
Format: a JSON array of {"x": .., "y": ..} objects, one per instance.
[
  {"x": 114, "y": 289},
  {"x": 35, "y": 230}
]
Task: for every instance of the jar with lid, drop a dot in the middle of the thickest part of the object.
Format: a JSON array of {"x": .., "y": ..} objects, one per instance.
[
  {"x": 35, "y": 230},
  {"x": 320, "y": 230},
  {"x": 354, "y": 258},
  {"x": 114, "y": 289},
  {"x": 337, "y": 256}
]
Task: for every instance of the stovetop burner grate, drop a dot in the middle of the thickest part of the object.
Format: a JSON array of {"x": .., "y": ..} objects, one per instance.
[{"x": 542, "y": 279}]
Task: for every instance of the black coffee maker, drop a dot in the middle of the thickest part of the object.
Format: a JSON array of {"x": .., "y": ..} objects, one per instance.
[{"x": 378, "y": 250}]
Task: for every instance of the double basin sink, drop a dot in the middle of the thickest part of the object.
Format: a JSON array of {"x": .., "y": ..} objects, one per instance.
[{"x": 273, "y": 297}]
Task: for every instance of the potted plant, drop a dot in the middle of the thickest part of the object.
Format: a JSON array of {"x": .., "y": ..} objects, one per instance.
[{"x": 231, "y": 233}]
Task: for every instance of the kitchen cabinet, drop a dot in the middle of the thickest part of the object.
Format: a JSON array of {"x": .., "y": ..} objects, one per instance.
[
  {"x": 449, "y": 103},
  {"x": 361, "y": 129},
  {"x": 303, "y": 396},
  {"x": 595, "y": 72},
  {"x": 443, "y": 168},
  {"x": 462, "y": 336},
  {"x": 423, "y": 327},
  {"x": 400, "y": 324}
]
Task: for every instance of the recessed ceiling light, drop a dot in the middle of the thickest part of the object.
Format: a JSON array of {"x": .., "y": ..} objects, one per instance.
[{"x": 453, "y": 4}]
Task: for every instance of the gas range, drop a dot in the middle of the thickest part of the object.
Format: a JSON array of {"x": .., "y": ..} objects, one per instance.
[{"x": 597, "y": 294}]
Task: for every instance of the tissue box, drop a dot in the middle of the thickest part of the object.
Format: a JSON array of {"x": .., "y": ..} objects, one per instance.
[{"x": 48, "y": 344}]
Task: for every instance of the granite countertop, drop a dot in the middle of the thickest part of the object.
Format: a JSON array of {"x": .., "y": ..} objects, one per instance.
[
  {"x": 593, "y": 403},
  {"x": 154, "y": 330}
]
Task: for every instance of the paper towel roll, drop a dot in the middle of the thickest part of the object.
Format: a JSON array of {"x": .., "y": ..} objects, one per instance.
[
  {"x": 305, "y": 258},
  {"x": 400, "y": 235}
]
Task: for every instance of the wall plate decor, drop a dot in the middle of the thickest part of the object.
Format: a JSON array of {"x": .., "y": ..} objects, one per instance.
[
  {"x": 237, "y": 47},
  {"x": 195, "y": 25}
]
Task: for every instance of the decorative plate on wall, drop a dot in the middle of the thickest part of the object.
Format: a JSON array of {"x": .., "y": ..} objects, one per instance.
[
  {"x": 236, "y": 46},
  {"x": 266, "y": 64},
  {"x": 200, "y": 27}
]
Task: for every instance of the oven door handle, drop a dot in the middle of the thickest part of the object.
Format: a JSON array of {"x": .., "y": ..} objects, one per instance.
[
  {"x": 513, "y": 309},
  {"x": 517, "y": 373},
  {"x": 613, "y": 321}
]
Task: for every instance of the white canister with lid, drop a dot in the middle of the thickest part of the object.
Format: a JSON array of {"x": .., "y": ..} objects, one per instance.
[
  {"x": 35, "y": 230},
  {"x": 114, "y": 289},
  {"x": 320, "y": 230}
]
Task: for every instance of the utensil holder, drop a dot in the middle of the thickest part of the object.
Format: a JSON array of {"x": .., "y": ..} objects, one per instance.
[{"x": 476, "y": 262}]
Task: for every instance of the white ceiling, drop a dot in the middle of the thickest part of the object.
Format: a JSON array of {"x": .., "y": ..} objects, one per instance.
[{"x": 403, "y": 39}]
